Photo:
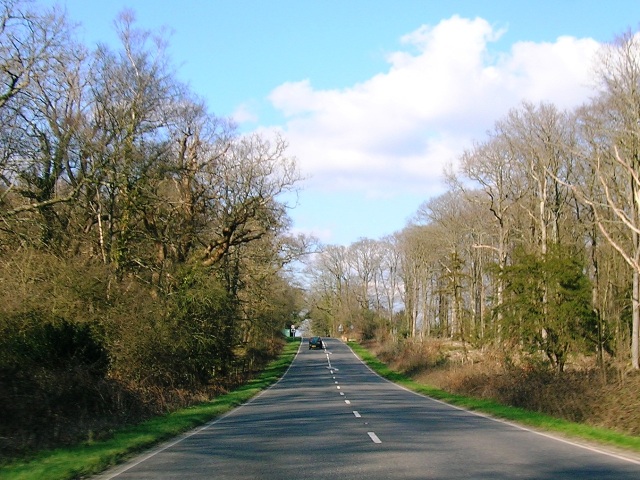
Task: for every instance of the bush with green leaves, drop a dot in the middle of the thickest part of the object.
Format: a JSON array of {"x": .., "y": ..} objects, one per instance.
[{"x": 547, "y": 305}]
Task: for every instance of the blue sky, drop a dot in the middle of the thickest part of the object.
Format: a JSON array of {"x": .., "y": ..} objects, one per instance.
[{"x": 375, "y": 97}]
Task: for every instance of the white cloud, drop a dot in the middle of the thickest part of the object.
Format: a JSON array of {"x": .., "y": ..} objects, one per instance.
[
  {"x": 396, "y": 131},
  {"x": 244, "y": 114}
]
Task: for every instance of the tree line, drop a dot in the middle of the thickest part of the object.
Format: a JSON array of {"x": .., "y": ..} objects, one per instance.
[
  {"x": 143, "y": 240},
  {"x": 534, "y": 249}
]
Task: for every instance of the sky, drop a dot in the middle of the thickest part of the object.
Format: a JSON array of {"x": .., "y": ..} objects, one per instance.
[{"x": 374, "y": 97}]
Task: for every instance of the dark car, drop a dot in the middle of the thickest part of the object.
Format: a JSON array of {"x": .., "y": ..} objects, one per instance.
[{"x": 315, "y": 342}]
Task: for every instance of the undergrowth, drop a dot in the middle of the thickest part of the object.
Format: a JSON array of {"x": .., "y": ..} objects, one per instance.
[{"x": 582, "y": 394}]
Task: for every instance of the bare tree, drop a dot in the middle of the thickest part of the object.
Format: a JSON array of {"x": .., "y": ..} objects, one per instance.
[
  {"x": 127, "y": 149},
  {"x": 540, "y": 142},
  {"x": 364, "y": 258},
  {"x": 245, "y": 186},
  {"x": 611, "y": 146},
  {"x": 41, "y": 109},
  {"x": 388, "y": 276},
  {"x": 420, "y": 250},
  {"x": 448, "y": 215},
  {"x": 331, "y": 287},
  {"x": 27, "y": 40},
  {"x": 491, "y": 166}
]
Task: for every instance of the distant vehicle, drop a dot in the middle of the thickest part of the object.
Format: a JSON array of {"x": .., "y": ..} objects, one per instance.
[{"x": 315, "y": 342}]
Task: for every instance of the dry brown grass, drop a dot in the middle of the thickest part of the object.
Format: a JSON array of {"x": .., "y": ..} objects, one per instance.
[
  {"x": 581, "y": 394},
  {"x": 409, "y": 356}
]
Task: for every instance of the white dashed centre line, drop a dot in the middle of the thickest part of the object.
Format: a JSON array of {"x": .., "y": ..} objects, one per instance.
[
  {"x": 338, "y": 387},
  {"x": 356, "y": 414},
  {"x": 347, "y": 402},
  {"x": 374, "y": 437}
]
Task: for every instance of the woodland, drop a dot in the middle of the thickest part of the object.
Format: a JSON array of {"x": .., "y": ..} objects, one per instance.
[
  {"x": 143, "y": 240},
  {"x": 524, "y": 276}
]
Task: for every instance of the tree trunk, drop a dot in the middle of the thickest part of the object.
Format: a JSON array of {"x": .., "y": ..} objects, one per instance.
[{"x": 635, "y": 319}]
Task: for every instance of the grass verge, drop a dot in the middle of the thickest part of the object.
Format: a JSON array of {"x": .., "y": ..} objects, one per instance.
[
  {"x": 94, "y": 457},
  {"x": 524, "y": 417}
]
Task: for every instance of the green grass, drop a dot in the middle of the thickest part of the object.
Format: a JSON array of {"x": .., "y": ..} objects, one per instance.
[
  {"x": 528, "y": 418},
  {"x": 94, "y": 457}
]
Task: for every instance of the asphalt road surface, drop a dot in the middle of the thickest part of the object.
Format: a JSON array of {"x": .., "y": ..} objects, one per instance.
[{"x": 330, "y": 417}]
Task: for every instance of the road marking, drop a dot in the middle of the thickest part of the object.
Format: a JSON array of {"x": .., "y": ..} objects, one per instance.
[
  {"x": 341, "y": 393},
  {"x": 336, "y": 382},
  {"x": 514, "y": 425},
  {"x": 356, "y": 414},
  {"x": 338, "y": 387},
  {"x": 374, "y": 437},
  {"x": 347, "y": 402}
]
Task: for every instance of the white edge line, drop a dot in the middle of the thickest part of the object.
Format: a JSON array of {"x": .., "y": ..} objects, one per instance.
[
  {"x": 183, "y": 437},
  {"x": 505, "y": 422}
]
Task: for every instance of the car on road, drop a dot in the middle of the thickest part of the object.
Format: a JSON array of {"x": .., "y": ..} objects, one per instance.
[{"x": 315, "y": 342}]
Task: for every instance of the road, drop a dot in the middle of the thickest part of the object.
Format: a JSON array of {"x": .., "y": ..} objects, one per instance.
[{"x": 330, "y": 417}]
